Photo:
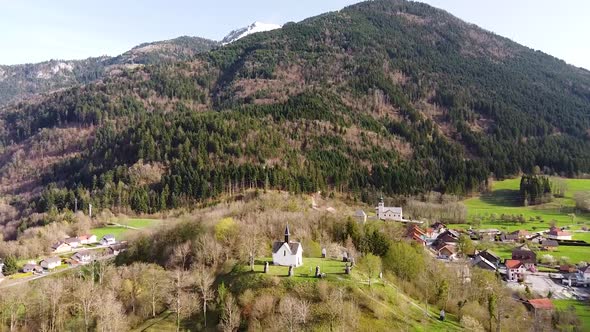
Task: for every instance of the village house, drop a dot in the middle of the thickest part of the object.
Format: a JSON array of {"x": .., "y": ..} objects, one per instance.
[
  {"x": 583, "y": 276},
  {"x": 508, "y": 238},
  {"x": 287, "y": 253},
  {"x": 568, "y": 268},
  {"x": 487, "y": 234},
  {"x": 521, "y": 234},
  {"x": 514, "y": 270},
  {"x": 74, "y": 242},
  {"x": 526, "y": 256},
  {"x": 449, "y": 236},
  {"x": 50, "y": 263},
  {"x": 360, "y": 216},
  {"x": 446, "y": 251},
  {"x": 415, "y": 233},
  {"x": 539, "y": 304},
  {"x": 549, "y": 245},
  {"x": 32, "y": 267},
  {"x": 556, "y": 233},
  {"x": 107, "y": 240},
  {"x": 115, "y": 249},
  {"x": 388, "y": 213},
  {"x": 87, "y": 239},
  {"x": 82, "y": 257},
  {"x": 483, "y": 263},
  {"x": 486, "y": 259},
  {"x": 536, "y": 239},
  {"x": 60, "y": 247}
]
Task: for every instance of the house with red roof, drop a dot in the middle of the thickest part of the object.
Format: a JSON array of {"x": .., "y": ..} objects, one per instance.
[
  {"x": 514, "y": 270},
  {"x": 557, "y": 233},
  {"x": 415, "y": 233},
  {"x": 539, "y": 304},
  {"x": 446, "y": 251}
]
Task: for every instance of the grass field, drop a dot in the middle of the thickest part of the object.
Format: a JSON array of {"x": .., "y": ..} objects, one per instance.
[
  {"x": 504, "y": 200},
  {"x": 582, "y": 310},
  {"x": 333, "y": 268},
  {"x": 121, "y": 232},
  {"x": 139, "y": 222},
  {"x": 118, "y": 232}
]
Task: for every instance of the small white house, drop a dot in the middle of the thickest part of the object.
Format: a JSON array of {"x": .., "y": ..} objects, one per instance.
[
  {"x": 583, "y": 276},
  {"x": 74, "y": 242},
  {"x": 388, "y": 213},
  {"x": 556, "y": 233},
  {"x": 82, "y": 257},
  {"x": 60, "y": 247},
  {"x": 51, "y": 263},
  {"x": 287, "y": 253},
  {"x": 515, "y": 270},
  {"x": 107, "y": 240},
  {"x": 87, "y": 239}
]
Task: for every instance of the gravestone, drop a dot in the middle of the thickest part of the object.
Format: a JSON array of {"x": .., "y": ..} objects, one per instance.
[
  {"x": 290, "y": 270},
  {"x": 317, "y": 271},
  {"x": 265, "y": 267},
  {"x": 324, "y": 253},
  {"x": 351, "y": 261},
  {"x": 380, "y": 275},
  {"x": 345, "y": 257},
  {"x": 347, "y": 269}
]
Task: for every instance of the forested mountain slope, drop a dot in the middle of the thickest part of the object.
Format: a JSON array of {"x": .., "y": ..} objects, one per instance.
[
  {"x": 388, "y": 96},
  {"x": 19, "y": 82}
]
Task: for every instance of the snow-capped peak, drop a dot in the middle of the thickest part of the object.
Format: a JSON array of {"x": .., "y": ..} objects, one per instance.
[{"x": 252, "y": 28}]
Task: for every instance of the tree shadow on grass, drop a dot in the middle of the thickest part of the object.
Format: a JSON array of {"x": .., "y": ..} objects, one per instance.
[{"x": 502, "y": 197}]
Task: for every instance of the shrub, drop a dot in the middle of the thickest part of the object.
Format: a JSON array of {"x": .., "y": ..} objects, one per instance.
[{"x": 471, "y": 324}]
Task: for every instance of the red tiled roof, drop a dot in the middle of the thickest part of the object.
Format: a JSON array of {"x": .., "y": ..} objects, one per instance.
[
  {"x": 513, "y": 263},
  {"x": 544, "y": 304},
  {"x": 415, "y": 229},
  {"x": 417, "y": 237}
]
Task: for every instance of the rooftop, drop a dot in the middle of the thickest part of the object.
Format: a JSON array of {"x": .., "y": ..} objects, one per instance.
[
  {"x": 513, "y": 263},
  {"x": 543, "y": 304}
]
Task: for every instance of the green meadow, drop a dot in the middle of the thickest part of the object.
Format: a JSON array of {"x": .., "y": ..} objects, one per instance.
[
  {"x": 492, "y": 209},
  {"x": 504, "y": 200},
  {"x": 129, "y": 226},
  {"x": 582, "y": 310}
]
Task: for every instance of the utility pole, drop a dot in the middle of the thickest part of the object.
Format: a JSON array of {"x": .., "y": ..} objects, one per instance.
[
  {"x": 90, "y": 210},
  {"x": 76, "y": 204}
]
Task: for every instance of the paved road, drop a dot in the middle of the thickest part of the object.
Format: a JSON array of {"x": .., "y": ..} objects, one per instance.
[{"x": 540, "y": 282}]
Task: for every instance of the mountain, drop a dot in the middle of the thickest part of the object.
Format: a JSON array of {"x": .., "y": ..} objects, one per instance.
[
  {"x": 384, "y": 96},
  {"x": 19, "y": 82},
  {"x": 252, "y": 28}
]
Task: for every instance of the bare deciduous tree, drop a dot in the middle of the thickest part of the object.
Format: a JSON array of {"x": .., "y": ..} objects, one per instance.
[
  {"x": 110, "y": 316},
  {"x": 204, "y": 281},
  {"x": 179, "y": 298},
  {"x": 230, "y": 318},
  {"x": 293, "y": 312},
  {"x": 156, "y": 284},
  {"x": 83, "y": 293}
]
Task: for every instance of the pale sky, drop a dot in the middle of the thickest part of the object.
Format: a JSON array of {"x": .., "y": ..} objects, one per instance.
[{"x": 38, "y": 30}]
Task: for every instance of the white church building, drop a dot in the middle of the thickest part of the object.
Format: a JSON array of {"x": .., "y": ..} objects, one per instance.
[
  {"x": 287, "y": 253},
  {"x": 388, "y": 213}
]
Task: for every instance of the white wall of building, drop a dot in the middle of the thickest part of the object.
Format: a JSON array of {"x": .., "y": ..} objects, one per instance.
[{"x": 284, "y": 256}]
